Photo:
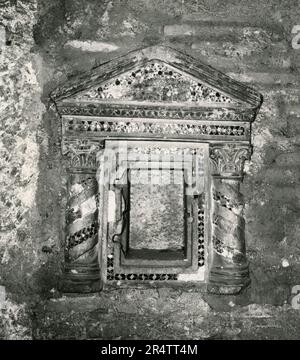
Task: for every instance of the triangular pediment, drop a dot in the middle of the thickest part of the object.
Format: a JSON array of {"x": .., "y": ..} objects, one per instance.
[
  {"x": 155, "y": 81},
  {"x": 157, "y": 75}
]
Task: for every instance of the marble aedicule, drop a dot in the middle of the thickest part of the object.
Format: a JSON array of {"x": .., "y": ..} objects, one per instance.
[{"x": 156, "y": 94}]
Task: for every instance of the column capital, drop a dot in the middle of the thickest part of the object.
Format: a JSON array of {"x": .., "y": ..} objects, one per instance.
[
  {"x": 227, "y": 160},
  {"x": 80, "y": 154},
  {"x": 229, "y": 272}
]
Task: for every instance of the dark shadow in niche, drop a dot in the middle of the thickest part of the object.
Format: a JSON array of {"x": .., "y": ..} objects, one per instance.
[{"x": 49, "y": 221}]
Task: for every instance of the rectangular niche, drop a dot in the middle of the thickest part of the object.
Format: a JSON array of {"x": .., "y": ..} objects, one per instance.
[
  {"x": 156, "y": 231},
  {"x": 157, "y": 210}
]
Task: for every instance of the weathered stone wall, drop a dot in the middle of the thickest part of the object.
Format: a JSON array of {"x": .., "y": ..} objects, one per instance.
[{"x": 49, "y": 41}]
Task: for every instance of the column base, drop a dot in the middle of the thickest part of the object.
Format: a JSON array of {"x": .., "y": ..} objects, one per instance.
[
  {"x": 82, "y": 279},
  {"x": 228, "y": 280}
]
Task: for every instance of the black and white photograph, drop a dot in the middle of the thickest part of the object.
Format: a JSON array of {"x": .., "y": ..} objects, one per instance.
[{"x": 149, "y": 173}]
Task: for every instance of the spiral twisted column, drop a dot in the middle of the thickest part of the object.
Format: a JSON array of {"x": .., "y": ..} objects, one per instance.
[
  {"x": 81, "y": 272},
  {"x": 229, "y": 272}
]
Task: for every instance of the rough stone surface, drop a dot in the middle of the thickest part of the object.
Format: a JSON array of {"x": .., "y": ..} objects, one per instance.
[
  {"x": 249, "y": 41},
  {"x": 187, "y": 317}
]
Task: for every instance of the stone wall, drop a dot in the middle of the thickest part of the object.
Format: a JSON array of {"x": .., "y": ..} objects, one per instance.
[{"x": 46, "y": 42}]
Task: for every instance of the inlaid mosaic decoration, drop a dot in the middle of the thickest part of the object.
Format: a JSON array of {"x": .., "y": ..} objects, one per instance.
[
  {"x": 155, "y": 81},
  {"x": 106, "y": 125}
]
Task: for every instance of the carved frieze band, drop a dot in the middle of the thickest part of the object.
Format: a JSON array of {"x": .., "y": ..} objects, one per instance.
[
  {"x": 155, "y": 128},
  {"x": 228, "y": 160},
  {"x": 155, "y": 111}
]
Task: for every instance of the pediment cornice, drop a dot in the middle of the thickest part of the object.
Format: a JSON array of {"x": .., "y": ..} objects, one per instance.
[{"x": 157, "y": 76}]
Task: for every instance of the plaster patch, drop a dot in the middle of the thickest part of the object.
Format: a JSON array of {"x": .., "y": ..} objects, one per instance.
[
  {"x": 2, "y": 297},
  {"x": 285, "y": 263},
  {"x": 263, "y": 138},
  {"x": 27, "y": 196},
  {"x": 29, "y": 75},
  {"x": 29, "y": 172},
  {"x": 92, "y": 46},
  {"x": 5, "y": 258},
  {"x": 2, "y": 36},
  {"x": 198, "y": 276}
]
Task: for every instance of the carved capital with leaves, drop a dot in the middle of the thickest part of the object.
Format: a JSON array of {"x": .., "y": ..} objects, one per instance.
[
  {"x": 80, "y": 154},
  {"x": 228, "y": 160}
]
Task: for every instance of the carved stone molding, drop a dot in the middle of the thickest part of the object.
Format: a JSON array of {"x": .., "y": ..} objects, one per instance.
[
  {"x": 228, "y": 160},
  {"x": 193, "y": 80},
  {"x": 109, "y": 235},
  {"x": 156, "y": 128},
  {"x": 156, "y": 111}
]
